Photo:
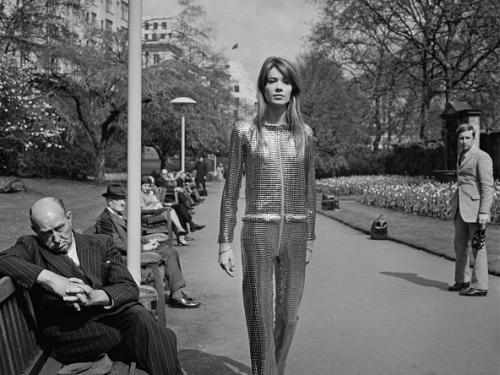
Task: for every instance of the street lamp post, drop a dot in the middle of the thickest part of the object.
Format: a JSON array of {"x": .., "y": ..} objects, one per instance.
[{"x": 183, "y": 101}]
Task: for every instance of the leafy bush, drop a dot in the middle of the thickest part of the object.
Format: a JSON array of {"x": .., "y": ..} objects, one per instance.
[{"x": 75, "y": 163}]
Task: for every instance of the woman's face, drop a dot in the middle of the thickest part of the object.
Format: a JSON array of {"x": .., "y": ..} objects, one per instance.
[
  {"x": 146, "y": 188},
  {"x": 278, "y": 89}
]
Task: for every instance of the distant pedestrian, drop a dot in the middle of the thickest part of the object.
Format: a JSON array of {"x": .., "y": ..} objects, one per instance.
[
  {"x": 471, "y": 211},
  {"x": 220, "y": 173},
  {"x": 276, "y": 150},
  {"x": 201, "y": 174}
]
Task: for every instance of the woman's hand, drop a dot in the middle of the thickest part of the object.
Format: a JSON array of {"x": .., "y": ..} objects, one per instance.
[{"x": 226, "y": 258}]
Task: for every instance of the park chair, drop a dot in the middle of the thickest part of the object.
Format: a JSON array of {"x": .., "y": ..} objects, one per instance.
[
  {"x": 167, "y": 194},
  {"x": 153, "y": 221}
]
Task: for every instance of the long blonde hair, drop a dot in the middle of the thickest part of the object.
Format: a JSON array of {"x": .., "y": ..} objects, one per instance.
[{"x": 293, "y": 115}]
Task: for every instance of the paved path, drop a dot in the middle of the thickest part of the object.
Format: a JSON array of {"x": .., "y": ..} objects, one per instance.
[{"x": 370, "y": 308}]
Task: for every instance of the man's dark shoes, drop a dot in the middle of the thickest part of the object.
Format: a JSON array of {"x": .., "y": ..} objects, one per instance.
[
  {"x": 457, "y": 287},
  {"x": 473, "y": 292},
  {"x": 184, "y": 303},
  {"x": 196, "y": 227}
]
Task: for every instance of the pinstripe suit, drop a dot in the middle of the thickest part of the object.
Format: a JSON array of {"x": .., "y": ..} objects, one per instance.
[{"x": 126, "y": 331}]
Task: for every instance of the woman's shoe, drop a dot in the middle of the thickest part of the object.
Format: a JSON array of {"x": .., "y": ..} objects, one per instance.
[{"x": 181, "y": 241}]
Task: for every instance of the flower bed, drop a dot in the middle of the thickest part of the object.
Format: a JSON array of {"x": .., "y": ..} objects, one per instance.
[{"x": 416, "y": 195}]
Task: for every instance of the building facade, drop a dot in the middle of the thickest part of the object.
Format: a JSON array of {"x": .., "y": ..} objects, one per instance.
[{"x": 243, "y": 91}]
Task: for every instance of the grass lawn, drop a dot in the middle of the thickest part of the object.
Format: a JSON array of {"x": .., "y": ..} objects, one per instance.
[
  {"x": 428, "y": 234},
  {"x": 83, "y": 199}
]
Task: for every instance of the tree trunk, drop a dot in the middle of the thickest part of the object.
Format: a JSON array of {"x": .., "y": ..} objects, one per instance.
[
  {"x": 424, "y": 117},
  {"x": 100, "y": 163},
  {"x": 378, "y": 125}
]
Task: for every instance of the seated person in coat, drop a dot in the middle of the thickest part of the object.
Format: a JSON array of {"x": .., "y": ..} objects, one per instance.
[
  {"x": 85, "y": 300},
  {"x": 149, "y": 201},
  {"x": 112, "y": 222}
]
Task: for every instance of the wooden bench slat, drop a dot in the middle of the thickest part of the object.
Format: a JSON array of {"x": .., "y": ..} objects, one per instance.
[
  {"x": 14, "y": 334},
  {"x": 28, "y": 348},
  {"x": 6, "y": 333}
]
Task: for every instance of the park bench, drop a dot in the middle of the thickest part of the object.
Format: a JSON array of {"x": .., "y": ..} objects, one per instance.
[
  {"x": 19, "y": 349},
  {"x": 167, "y": 194}
]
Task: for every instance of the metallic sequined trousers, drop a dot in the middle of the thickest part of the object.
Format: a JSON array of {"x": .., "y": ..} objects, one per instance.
[{"x": 269, "y": 249}]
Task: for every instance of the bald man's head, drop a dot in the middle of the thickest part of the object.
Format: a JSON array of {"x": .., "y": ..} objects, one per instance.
[{"x": 52, "y": 223}]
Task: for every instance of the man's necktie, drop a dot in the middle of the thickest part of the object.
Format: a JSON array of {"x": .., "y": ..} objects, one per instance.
[{"x": 461, "y": 158}]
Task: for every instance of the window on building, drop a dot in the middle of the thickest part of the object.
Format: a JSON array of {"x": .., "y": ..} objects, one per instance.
[
  {"x": 156, "y": 58},
  {"x": 124, "y": 11},
  {"x": 108, "y": 6},
  {"x": 109, "y": 25},
  {"x": 236, "y": 88},
  {"x": 164, "y": 25},
  {"x": 155, "y": 26},
  {"x": 162, "y": 36},
  {"x": 235, "y": 114},
  {"x": 146, "y": 36},
  {"x": 93, "y": 18},
  {"x": 154, "y": 36},
  {"x": 146, "y": 26},
  {"x": 102, "y": 25},
  {"x": 237, "y": 101}
]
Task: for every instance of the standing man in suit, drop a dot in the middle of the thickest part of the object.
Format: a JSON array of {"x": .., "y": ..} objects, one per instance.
[
  {"x": 85, "y": 300},
  {"x": 113, "y": 223},
  {"x": 471, "y": 211},
  {"x": 201, "y": 174}
]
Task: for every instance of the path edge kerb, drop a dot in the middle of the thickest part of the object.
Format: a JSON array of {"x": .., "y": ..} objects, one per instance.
[{"x": 394, "y": 239}]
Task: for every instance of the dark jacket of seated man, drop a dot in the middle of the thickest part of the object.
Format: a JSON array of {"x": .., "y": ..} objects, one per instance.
[
  {"x": 115, "y": 226},
  {"x": 85, "y": 300}
]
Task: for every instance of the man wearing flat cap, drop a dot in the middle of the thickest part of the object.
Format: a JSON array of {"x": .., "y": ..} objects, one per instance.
[{"x": 112, "y": 222}]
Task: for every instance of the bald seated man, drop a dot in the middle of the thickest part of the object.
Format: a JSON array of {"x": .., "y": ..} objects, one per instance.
[{"x": 85, "y": 300}]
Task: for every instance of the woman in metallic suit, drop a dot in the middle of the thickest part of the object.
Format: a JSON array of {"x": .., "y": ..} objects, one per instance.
[{"x": 276, "y": 151}]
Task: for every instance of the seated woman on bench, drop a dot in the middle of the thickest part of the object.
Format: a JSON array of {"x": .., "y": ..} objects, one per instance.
[{"x": 149, "y": 201}]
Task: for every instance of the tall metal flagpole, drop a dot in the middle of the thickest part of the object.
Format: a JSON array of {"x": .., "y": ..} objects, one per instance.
[{"x": 134, "y": 140}]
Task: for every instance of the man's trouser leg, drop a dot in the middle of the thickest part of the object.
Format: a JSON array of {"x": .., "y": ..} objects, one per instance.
[
  {"x": 462, "y": 246},
  {"x": 173, "y": 271},
  {"x": 153, "y": 347},
  {"x": 130, "y": 335}
]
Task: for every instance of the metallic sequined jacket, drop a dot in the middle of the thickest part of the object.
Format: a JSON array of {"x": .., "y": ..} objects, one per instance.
[{"x": 280, "y": 184}]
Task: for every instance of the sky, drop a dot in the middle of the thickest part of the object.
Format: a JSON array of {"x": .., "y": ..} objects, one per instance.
[{"x": 262, "y": 28}]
